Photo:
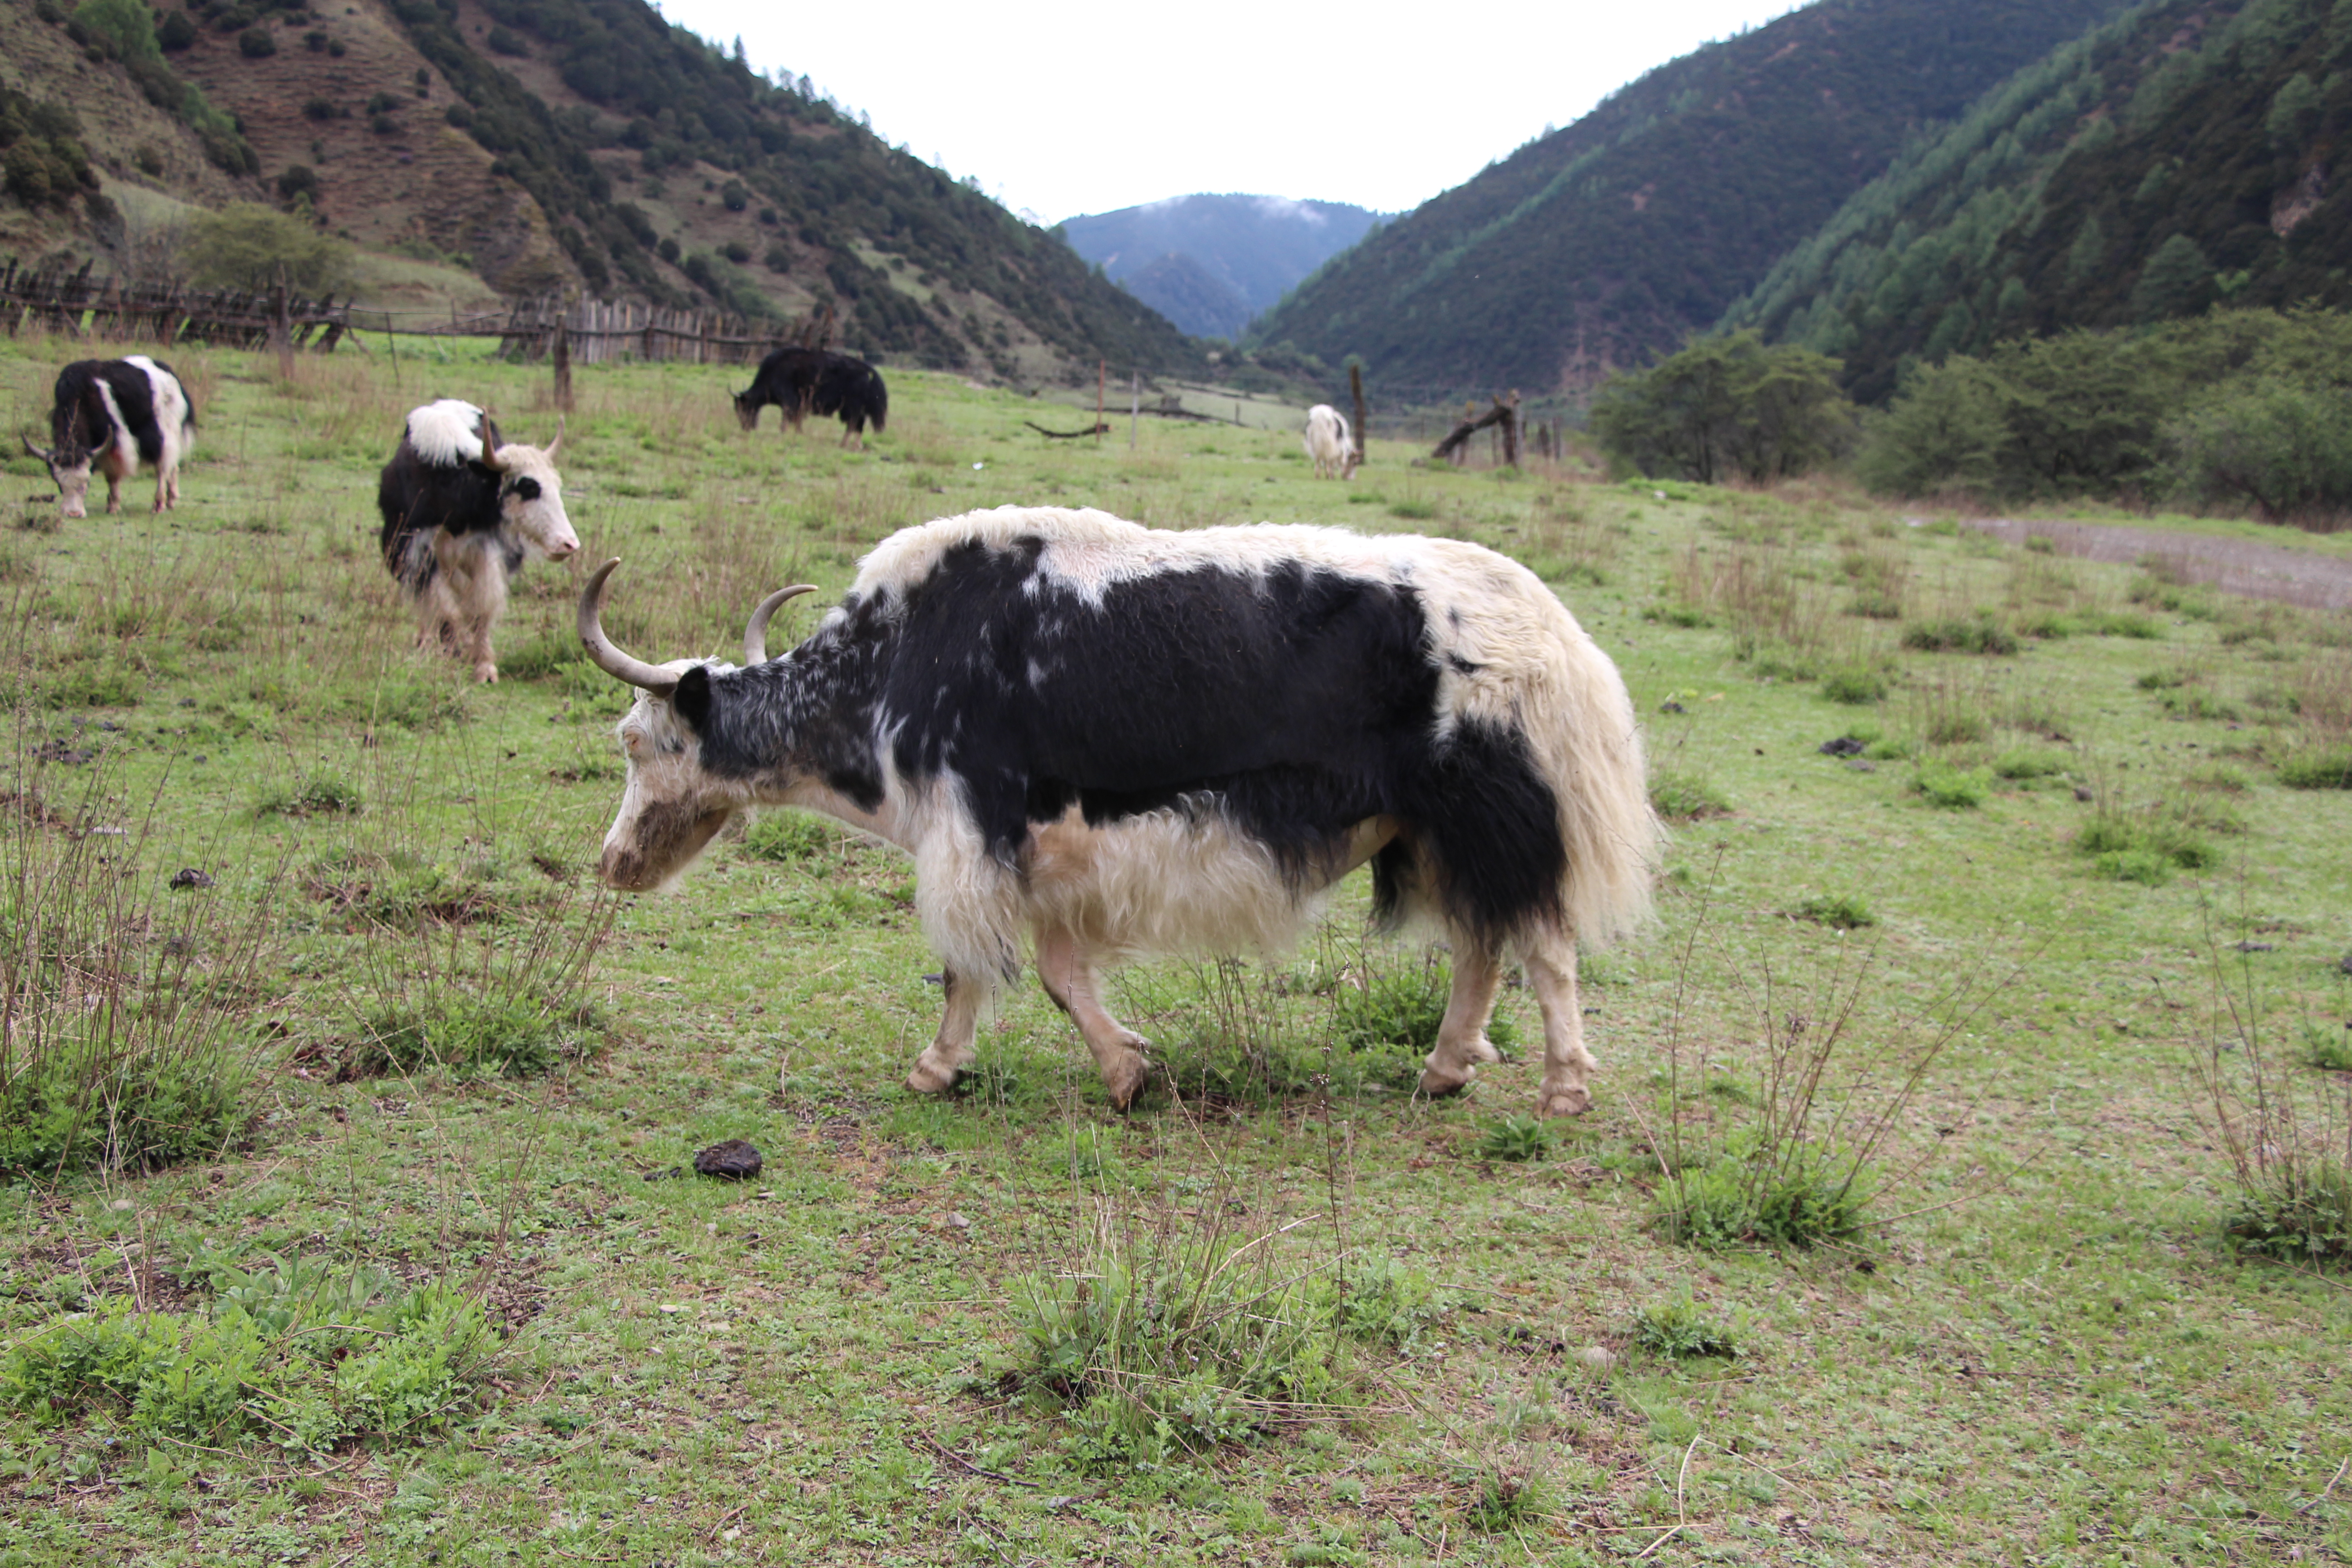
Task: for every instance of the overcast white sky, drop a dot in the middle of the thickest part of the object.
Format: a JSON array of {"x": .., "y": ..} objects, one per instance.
[{"x": 1084, "y": 107}]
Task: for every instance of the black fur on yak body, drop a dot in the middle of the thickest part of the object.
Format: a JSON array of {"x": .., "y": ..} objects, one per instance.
[
  {"x": 462, "y": 511},
  {"x": 823, "y": 381},
  {"x": 109, "y": 417},
  {"x": 1104, "y": 742}
]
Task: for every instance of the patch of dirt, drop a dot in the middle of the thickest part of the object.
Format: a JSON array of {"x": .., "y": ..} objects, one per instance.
[{"x": 2241, "y": 566}]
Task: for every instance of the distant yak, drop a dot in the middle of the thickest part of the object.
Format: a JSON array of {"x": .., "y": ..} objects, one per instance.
[
  {"x": 1327, "y": 446},
  {"x": 462, "y": 512},
  {"x": 821, "y": 381},
  {"x": 111, "y": 416}
]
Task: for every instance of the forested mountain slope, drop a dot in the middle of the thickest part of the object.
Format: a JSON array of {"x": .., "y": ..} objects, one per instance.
[
  {"x": 589, "y": 145},
  {"x": 2184, "y": 154},
  {"x": 1593, "y": 247},
  {"x": 1210, "y": 263}
]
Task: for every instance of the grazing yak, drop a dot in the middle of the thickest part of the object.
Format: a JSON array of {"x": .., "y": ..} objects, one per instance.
[
  {"x": 461, "y": 514},
  {"x": 1327, "y": 446},
  {"x": 114, "y": 414},
  {"x": 821, "y": 381},
  {"x": 1101, "y": 741}
]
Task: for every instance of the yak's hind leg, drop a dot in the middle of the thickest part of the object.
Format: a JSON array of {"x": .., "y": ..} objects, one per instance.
[
  {"x": 1069, "y": 976},
  {"x": 1568, "y": 1065},
  {"x": 937, "y": 1069},
  {"x": 1462, "y": 1043}
]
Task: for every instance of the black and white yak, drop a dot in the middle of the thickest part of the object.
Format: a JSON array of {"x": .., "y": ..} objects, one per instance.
[
  {"x": 1101, "y": 742},
  {"x": 821, "y": 381},
  {"x": 111, "y": 414},
  {"x": 462, "y": 512},
  {"x": 1327, "y": 444}
]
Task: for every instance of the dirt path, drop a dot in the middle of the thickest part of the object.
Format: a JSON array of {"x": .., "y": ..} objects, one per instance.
[{"x": 2235, "y": 565}]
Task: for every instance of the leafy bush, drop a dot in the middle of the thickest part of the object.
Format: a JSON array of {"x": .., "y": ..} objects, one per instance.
[
  {"x": 2279, "y": 443},
  {"x": 2327, "y": 1047},
  {"x": 257, "y": 42},
  {"x": 1726, "y": 406},
  {"x": 1397, "y": 1009},
  {"x": 1680, "y": 1330},
  {"x": 2022, "y": 765},
  {"x": 247, "y": 246},
  {"x": 1413, "y": 510},
  {"x": 505, "y": 41},
  {"x": 2145, "y": 846},
  {"x": 517, "y": 1038}
]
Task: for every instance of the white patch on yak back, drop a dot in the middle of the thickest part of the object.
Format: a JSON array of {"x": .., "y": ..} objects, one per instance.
[
  {"x": 447, "y": 433},
  {"x": 124, "y": 450},
  {"x": 170, "y": 403}
]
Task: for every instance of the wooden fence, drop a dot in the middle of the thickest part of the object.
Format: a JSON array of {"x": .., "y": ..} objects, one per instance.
[{"x": 76, "y": 305}]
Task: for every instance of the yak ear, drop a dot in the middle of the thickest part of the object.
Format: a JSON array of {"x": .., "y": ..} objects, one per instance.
[{"x": 691, "y": 701}]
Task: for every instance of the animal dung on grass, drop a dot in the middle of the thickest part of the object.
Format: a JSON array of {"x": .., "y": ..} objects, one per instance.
[
  {"x": 1101, "y": 742},
  {"x": 189, "y": 877},
  {"x": 733, "y": 1161},
  {"x": 462, "y": 512}
]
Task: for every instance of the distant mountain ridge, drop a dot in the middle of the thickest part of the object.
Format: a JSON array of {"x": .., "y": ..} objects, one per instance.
[
  {"x": 2183, "y": 155},
  {"x": 1593, "y": 247},
  {"x": 1212, "y": 263}
]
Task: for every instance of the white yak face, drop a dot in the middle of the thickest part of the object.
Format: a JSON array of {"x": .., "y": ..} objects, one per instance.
[
  {"x": 531, "y": 502},
  {"x": 73, "y": 477},
  {"x": 670, "y": 810}
]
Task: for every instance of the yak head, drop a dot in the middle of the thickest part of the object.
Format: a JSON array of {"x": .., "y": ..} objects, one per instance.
[
  {"x": 747, "y": 412},
  {"x": 69, "y": 466},
  {"x": 530, "y": 494},
  {"x": 673, "y": 805}
]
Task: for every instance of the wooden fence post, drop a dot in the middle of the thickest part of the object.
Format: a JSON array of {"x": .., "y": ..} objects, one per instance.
[
  {"x": 1511, "y": 429},
  {"x": 281, "y": 329},
  {"x": 562, "y": 356},
  {"x": 1134, "y": 404},
  {"x": 1363, "y": 423}
]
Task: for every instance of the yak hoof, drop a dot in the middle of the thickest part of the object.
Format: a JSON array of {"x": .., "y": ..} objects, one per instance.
[
  {"x": 1439, "y": 1082},
  {"x": 1567, "y": 1099},
  {"x": 487, "y": 673},
  {"x": 927, "y": 1078},
  {"x": 1125, "y": 1078}
]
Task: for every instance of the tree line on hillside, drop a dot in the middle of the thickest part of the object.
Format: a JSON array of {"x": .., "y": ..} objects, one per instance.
[
  {"x": 2174, "y": 159},
  {"x": 2247, "y": 410}
]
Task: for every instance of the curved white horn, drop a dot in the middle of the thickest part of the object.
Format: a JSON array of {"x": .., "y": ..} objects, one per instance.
[
  {"x": 612, "y": 660},
  {"x": 755, "y": 636},
  {"x": 552, "y": 446},
  {"x": 36, "y": 451}
]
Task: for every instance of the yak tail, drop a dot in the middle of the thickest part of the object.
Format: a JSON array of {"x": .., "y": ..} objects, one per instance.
[{"x": 881, "y": 410}]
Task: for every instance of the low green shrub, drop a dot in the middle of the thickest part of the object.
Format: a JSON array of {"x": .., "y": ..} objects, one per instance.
[
  {"x": 2024, "y": 765},
  {"x": 2145, "y": 846},
  {"x": 1951, "y": 788},
  {"x": 1855, "y": 684},
  {"x": 792, "y": 836},
  {"x": 2298, "y": 1210},
  {"x": 1680, "y": 1330},
  {"x": 1397, "y": 1010},
  {"x": 2161, "y": 680},
  {"x": 319, "y": 794},
  {"x": 1685, "y": 797},
  {"x": 111, "y": 1103},
  {"x": 297, "y": 1354},
  {"x": 2318, "y": 767},
  {"x": 2127, "y": 623},
  {"x": 517, "y": 1038},
  {"x": 1413, "y": 510},
  {"x": 1982, "y": 635},
  {"x": 1842, "y": 912},
  {"x": 1802, "y": 1196},
  {"x": 1517, "y": 1138},
  {"x": 2327, "y": 1047}
]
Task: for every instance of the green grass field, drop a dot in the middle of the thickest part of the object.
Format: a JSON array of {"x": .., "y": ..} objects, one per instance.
[{"x": 2010, "y": 1013}]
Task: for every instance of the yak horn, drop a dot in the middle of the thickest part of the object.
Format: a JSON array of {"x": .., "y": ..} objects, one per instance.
[
  {"x": 30, "y": 447},
  {"x": 552, "y": 446},
  {"x": 755, "y": 636},
  {"x": 612, "y": 660}
]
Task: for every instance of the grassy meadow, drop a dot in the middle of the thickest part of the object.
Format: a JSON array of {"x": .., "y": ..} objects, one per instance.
[{"x": 1966, "y": 1180}]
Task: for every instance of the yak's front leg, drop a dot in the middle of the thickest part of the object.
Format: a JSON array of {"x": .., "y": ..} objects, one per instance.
[
  {"x": 937, "y": 1069},
  {"x": 1462, "y": 1044},
  {"x": 1069, "y": 976}
]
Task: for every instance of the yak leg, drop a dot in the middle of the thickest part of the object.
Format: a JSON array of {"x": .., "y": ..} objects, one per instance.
[
  {"x": 113, "y": 492},
  {"x": 1462, "y": 1033},
  {"x": 938, "y": 1069},
  {"x": 1568, "y": 1065},
  {"x": 1069, "y": 976}
]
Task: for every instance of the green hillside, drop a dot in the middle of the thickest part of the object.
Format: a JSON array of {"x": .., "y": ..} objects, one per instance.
[
  {"x": 1592, "y": 247},
  {"x": 2175, "y": 158},
  {"x": 588, "y": 144}
]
